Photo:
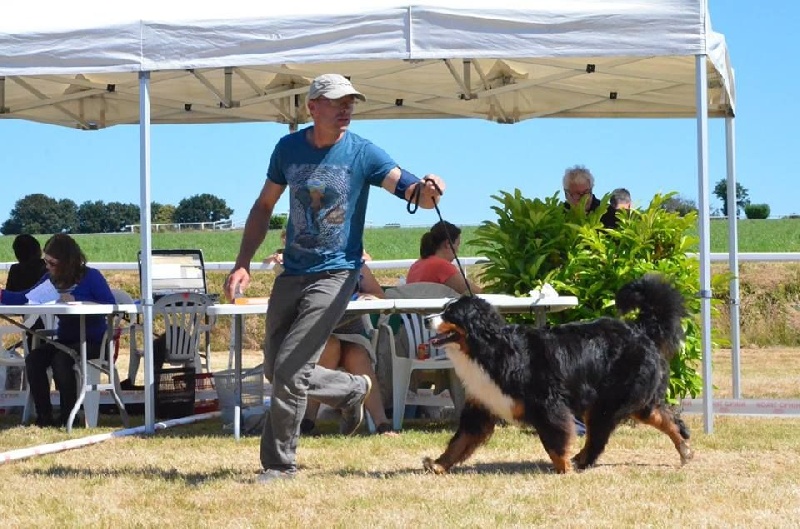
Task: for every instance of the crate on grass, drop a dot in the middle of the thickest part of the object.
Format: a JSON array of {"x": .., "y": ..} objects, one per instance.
[
  {"x": 205, "y": 394},
  {"x": 175, "y": 392},
  {"x": 252, "y": 390}
]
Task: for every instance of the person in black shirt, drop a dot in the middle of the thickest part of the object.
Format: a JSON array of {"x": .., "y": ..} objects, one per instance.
[
  {"x": 25, "y": 273},
  {"x": 30, "y": 266}
]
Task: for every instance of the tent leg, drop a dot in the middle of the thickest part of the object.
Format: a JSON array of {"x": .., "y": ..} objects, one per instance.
[
  {"x": 701, "y": 78},
  {"x": 146, "y": 249},
  {"x": 733, "y": 256}
]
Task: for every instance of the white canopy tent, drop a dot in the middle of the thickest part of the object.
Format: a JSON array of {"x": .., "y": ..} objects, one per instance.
[{"x": 95, "y": 66}]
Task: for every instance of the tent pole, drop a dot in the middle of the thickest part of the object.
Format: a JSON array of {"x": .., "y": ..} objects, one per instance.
[
  {"x": 701, "y": 87},
  {"x": 146, "y": 249},
  {"x": 733, "y": 255}
]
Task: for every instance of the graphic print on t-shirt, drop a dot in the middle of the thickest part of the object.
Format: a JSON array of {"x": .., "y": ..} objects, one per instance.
[{"x": 319, "y": 207}]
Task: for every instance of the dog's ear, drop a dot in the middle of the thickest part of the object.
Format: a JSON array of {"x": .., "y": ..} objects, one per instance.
[{"x": 484, "y": 312}]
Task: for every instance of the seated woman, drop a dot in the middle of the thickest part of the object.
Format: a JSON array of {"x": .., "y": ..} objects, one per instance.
[
  {"x": 74, "y": 281},
  {"x": 437, "y": 249},
  {"x": 348, "y": 349}
]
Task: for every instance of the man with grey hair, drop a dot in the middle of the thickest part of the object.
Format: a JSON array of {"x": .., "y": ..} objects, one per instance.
[
  {"x": 578, "y": 182},
  {"x": 620, "y": 198},
  {"x": 328, "y": 171}
]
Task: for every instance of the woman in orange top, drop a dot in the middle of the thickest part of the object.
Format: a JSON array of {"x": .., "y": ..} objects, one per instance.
[{"x": 436, "y": 255}]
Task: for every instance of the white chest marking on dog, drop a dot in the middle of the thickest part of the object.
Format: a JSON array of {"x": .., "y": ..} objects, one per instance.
[{"x": 479, "y": 385}]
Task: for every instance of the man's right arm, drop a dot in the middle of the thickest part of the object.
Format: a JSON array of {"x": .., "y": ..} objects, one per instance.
[{"x": 255, "y": 229}]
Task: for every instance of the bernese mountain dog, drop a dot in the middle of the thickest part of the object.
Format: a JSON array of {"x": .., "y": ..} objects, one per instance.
[{"x": 602, "y": 371}]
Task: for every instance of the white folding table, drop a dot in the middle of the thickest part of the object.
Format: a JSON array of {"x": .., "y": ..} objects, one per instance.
[{"x": 505, "y": 304}]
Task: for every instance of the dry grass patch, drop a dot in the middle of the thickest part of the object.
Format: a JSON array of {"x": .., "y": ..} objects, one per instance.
[
  {"x": 770, "y": 373},
  {"x": 744, "y": 475}
]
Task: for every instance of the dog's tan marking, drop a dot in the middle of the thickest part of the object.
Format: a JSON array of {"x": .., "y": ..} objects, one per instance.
[
  {"x": 657, "y": 420},
  {"x": 480, "y": 386},
  {"x": 432, "y": 466},
  {"x": 579, "y": 460},
  {"x": 518, "y": 411},
  {"x": 561, "y": 462},
  {"x": 459, "y": 449}
]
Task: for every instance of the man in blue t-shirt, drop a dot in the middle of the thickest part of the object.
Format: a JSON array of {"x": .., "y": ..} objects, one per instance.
[{"x": 328, "y": 171}]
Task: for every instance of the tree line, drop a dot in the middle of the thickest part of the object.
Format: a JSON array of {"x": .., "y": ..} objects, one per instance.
[
  {"x": 684, "y": 205},
  {"x": 39, "y": 213},
  {"x": 751, "y": 211}
]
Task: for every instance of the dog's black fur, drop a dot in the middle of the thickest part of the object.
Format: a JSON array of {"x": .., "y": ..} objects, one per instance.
[{"x": 603, "y": 371}]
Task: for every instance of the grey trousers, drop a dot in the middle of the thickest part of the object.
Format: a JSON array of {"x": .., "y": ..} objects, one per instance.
[{"x": 303, "y": 310}]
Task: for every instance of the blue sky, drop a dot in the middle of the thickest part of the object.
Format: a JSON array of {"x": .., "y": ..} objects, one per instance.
[{"x": 476, "y": 158}]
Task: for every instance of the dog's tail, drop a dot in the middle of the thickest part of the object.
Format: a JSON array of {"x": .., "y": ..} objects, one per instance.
[{"x": 661, "y": 309}]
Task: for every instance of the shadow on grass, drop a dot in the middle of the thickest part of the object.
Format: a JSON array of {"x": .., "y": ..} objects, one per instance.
[
  {"x": 149, "y": 472},
  {"x": 519, "y": 468},
  {"x": 496, "y": 468}
]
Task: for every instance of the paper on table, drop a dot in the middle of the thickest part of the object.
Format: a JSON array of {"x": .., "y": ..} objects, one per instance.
[
  {"x": 43, "y": 293},
  {"x": 546, "y": 291}
]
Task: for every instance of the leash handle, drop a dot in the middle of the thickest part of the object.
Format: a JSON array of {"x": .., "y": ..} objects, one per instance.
[{"x": 413, "y": 202}]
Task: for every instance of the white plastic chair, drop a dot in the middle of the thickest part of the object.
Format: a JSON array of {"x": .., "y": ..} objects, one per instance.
[
  {"x": 418, "y": 337},
  {"x": 185, "y": 320},
  {"x": 12, "y": 355},
  {"x": 21, "y": 346},
  {"x": 106, "y": 364},
  {"x": 414, "y": 331}
]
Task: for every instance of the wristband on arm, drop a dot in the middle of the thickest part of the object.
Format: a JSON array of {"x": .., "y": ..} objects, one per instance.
[{"x": 406, "y": 180}]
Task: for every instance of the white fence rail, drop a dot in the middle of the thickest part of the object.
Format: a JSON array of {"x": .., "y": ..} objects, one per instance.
[
  {"x": 755, "y": 257},
  {"x": 224, "y": 224}
]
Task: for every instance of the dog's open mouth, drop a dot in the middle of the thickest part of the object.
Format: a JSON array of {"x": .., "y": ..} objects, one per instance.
[{"x": 444, "y": 338}]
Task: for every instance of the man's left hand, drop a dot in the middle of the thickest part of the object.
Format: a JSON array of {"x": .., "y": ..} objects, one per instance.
[{"x": 434, "y": 187}]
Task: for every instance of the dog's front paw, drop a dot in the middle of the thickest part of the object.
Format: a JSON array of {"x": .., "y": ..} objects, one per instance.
[
  {"x": 686, "y": 452},
  {"x": 432, "y": 466},
  {"x": 579, "y": 460}
]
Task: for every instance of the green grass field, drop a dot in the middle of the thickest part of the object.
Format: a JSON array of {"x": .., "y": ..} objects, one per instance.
[
  {"x": 743, "y": 475},
  {"x": 780, "y": 235}
]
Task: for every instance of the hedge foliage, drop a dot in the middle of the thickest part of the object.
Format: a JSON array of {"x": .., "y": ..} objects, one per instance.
[
  {"x": 536, "y": 241},
  {"x": 757, "y": 211}
]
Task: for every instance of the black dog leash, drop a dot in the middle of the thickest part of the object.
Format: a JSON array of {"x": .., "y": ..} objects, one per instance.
[{"x": 413, "y": 205}]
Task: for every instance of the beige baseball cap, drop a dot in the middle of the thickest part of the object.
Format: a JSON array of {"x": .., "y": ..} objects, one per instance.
[{"x": 333, "y": 86}]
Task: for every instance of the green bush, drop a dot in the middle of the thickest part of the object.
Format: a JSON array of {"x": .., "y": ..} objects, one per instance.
[
  {"x": 681, "y": 206},
  {"x": 537, "y": 241},
  {"x": 278, "y": 222},
  {"x": 757, "y": 211}
]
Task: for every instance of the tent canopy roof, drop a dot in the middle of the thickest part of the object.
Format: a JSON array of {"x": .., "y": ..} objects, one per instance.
[{"x": 441, "y": 59}]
